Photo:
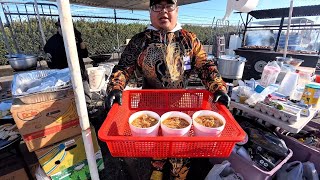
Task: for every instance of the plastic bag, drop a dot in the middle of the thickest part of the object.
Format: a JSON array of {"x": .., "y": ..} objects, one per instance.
[
  {"x": 285, "y": 68},
  {"x": 223, "y": 171},
  {"x": 309, "y": 171},
  {"x": 256, "y": 97},
  {"x": 289, "y": 171},
  {"x": 270, "y": 73},
  {"x": 245, "y": 91}
]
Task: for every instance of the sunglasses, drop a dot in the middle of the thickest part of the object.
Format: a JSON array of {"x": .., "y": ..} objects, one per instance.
[{"x": 160, "y": 7}]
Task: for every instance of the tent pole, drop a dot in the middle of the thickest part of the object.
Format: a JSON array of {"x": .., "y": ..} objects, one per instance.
[
  {"x": 288, "y": 29},
  {"x": 73, "y": 63},
  {"x": 279, "y": 34},
  {"x": 43, "y": 37}
]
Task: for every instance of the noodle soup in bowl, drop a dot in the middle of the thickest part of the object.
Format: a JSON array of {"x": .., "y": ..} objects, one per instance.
[
  {"x": 175, "y": 123},
  {"x": 144, "y": 123},
  {"x": 208, "y": 123}
]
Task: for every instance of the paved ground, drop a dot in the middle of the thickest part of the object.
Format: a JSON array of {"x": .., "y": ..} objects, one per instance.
[{"x": 118, "y": 168}]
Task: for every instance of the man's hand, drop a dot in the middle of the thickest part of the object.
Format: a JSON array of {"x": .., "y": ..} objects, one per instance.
[
  {"x": 48, "y": 57},
  {"x": 115, "y": 96},
  {"x": 222, "y": 97}
]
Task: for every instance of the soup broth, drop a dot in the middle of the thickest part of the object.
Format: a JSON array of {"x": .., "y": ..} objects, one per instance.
[
  {"x": 144, "y": 121},
  {"x": 176, "y": 123},
  {"x": 209, "y": 121}
]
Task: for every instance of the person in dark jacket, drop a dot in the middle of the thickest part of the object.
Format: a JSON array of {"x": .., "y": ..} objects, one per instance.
[
  {"x": 58, "y": 58},
  {"x": 165, "y": 54}
]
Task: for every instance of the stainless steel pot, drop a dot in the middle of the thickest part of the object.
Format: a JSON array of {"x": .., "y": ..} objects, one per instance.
[
  {"x": 20, "y": 62},
  {"x": 231, "y": 67}
]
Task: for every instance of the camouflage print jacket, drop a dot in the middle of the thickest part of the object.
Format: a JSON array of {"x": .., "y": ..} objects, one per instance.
[{"x": 165, "y": 61}]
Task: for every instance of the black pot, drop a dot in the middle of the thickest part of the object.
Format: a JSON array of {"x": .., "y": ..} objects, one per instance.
[{"x": 100, "y": 58}]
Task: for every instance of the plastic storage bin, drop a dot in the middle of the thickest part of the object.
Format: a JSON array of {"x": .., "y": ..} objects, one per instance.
[
  {"x": 248, "y": 169},
  {"x": 116, "y": 133},
  {"x": 303, "y": 152}
]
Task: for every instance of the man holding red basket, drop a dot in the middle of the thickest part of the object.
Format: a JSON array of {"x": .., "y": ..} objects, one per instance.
[{"x": 165, "y": 55}]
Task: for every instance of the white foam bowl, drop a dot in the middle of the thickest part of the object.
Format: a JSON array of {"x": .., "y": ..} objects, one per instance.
[
  {"x": 150, "y": 131},
  {"x": 201, "y": 130},
  {"x": 166, "y": 131}
]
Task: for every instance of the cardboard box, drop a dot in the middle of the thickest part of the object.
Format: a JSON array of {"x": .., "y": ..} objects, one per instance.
[
  {"x": 19, "y": 174},
  {"x": 308, "y": 70},
  {"x": 67, "y": 159},
  {"x": 12, "y": 169},
  {"x": 45, "y": 123},
  {"x": 79, "y": 171}
]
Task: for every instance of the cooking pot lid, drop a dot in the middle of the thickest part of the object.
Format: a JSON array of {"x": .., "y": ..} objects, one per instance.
[
  {"x": 19, "y": 56},
  {"x": 233, "y": 58}
]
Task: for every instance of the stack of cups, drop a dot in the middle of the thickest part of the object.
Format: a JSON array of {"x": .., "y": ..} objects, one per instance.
[{"x": 289, "y": 84}]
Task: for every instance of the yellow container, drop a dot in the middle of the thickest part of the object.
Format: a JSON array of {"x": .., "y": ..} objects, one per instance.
[
  {"x": 242, "y": 99},
  {"x": 311, "y": 95}
]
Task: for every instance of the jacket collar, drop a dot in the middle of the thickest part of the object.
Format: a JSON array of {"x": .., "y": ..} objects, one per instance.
[{"x": 177, "y": 28}]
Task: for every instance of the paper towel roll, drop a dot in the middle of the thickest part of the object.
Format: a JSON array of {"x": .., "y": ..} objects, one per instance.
[{"x": 289, "y": 83}]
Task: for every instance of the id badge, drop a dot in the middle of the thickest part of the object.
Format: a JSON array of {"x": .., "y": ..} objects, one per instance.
[{"x": 186, "y": 63}]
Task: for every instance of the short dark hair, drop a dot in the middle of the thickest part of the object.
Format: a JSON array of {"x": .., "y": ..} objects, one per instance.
[
  {"x": 57, "y": 23},
  {"x": 153, "y": 2}
]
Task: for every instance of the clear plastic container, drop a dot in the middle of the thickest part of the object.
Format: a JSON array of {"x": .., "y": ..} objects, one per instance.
[
  {"x": 304, "y": 79},
  {"x": 151, "y": 131},
  {"x": 297, "y": 94},
  {"x": 166, "y": 131},
  {"x": 201, "y": 130},
  {"x": 270, "y": 73}
]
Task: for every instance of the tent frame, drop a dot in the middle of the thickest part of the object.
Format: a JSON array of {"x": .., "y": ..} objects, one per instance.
[{"x": 301, "y": 11}]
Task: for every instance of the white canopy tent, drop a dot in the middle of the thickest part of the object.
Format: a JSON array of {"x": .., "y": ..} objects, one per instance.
[
  {"x": 73, "y": 63},
  {"x": 124, "y": 4}
]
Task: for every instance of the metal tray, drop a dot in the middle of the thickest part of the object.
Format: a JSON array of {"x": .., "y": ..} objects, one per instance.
[{"x": 22, "y": 80}]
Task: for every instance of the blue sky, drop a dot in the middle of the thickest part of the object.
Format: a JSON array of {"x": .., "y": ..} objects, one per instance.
[{"x": 197, "y": 13}]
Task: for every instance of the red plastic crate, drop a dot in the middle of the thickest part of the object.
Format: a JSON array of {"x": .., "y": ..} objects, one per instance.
[{"x": 115, "y": 130}]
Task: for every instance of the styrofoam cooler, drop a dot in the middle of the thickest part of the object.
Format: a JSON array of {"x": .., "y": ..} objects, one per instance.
[
  {"x": 303, "y": 152},
  {"x": 96, "y": 77},
  {"x": 248, "y": 169}
]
